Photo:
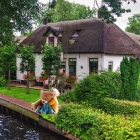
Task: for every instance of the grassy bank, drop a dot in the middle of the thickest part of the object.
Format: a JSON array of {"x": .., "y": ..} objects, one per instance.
[{"x": 121, "y": 121}]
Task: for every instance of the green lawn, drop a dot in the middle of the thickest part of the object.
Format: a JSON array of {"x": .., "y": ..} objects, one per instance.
[{"x": 20, "y": 93}]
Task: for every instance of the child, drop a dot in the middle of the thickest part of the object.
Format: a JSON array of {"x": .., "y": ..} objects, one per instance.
[{"x": 49, "y": 106}]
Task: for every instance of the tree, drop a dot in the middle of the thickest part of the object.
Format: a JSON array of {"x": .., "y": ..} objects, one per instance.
[
  {"x": 8, "y": 57},
  {"x": 27, "y": 61},
  {"x": 129, "y": 76},
  {"x": 51, "y": 59},
  {"x": 16, "y": 16},
  {"x": 134, "y": 24},
  {"x": 109, "y": 8},
  {"x": 64, "y": 10}
]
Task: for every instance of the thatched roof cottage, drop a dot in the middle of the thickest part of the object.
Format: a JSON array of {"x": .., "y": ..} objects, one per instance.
[{"x": 89, "y": 45}]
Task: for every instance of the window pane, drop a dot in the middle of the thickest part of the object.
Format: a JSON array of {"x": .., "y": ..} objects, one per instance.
[
  {"x": 93, "y": 65},
  {"x": 72, "y": 66}
]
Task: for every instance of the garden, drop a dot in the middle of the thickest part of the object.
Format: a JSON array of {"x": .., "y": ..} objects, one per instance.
[{"x": 96, "y": 108}]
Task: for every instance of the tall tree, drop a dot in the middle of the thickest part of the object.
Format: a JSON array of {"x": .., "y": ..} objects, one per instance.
[
  {"x": 51, "y": 59},
  {"x": 16, "y": 16},
  {"x": 134, "y": 24},
  {"x": 109, "y": 8},
  {"x": 7, "y": 57},
  {"x": 64, "y": 10},
  {"x": 27, "y": 61}
]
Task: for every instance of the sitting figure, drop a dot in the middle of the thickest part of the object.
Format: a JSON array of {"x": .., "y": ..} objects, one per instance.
[{"x": 48, "y": 103}]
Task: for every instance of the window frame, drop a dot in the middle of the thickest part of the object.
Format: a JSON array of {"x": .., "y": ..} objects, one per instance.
[
  {"x": 93, "y": 66},
  {"x": 72, "y": 65},
  {"x": 110, "y": 65}
]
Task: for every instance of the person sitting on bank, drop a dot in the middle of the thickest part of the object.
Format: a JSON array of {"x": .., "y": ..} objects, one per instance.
[{"x": 48, "y": 104}]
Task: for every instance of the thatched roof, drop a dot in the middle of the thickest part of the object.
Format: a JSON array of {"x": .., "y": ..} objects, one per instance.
[
  {"x": 95, "y": 37},
  {"x": 20, "y": 38}
]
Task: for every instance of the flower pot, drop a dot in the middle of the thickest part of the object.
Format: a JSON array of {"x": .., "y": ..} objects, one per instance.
[{"x": 32, "y": 83}]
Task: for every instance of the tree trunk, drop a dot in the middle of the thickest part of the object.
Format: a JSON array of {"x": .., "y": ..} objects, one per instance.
[
  {"x": 9, "y": 79},
  {"x": 49, "y": 81},
  {"x": 27, "y": 82}
]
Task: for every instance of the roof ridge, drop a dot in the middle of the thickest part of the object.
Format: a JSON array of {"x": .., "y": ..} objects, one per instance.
[{"x": 71, "y": 21}]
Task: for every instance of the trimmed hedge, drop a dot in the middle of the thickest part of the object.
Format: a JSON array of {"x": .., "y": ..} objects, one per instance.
[
  {"x": 89, "y": 123},
  {"x": 115, "y": 106}
]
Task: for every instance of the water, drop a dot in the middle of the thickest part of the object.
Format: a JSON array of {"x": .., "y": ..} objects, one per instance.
[{"x": 16, "y": 129}]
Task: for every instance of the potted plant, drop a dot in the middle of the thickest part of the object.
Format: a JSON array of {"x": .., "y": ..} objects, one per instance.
[{"x": 32, "y": 79}]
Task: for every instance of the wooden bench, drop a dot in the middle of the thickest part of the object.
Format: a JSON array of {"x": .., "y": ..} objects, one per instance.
[{"x": 15, "y": 82}]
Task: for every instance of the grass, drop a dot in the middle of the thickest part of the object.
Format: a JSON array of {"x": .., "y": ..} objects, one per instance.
[{"x": 20, "y": 93}]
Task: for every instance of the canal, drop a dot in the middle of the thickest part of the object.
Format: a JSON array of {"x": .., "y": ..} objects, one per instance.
[{"x": 12, "y": 127}]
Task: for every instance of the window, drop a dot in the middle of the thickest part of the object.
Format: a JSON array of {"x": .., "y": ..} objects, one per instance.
[
  {"x": 51, "y": 41},
  {"x": 110, "y": 66},
  {"x": 60, "y": 40},
  {"x": 93, "y": 65},
  {"x": 74, "y": 36},
  {"x": 72, "y": 66}
]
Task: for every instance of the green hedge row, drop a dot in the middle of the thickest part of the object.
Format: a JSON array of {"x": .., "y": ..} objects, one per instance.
[
  {"x": 115, "y": 106},
  {"x": 89, "y": 123}
]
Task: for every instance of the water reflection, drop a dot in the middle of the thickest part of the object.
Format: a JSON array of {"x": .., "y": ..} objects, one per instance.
[{"x": 14, "y": 129}]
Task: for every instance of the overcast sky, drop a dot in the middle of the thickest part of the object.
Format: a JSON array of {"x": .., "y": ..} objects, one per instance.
[{"x": 121, "y": 21}]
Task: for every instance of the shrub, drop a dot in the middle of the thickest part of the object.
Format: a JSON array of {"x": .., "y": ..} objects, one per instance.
[
  {"x": 3, "y": 81},
  {"x": 68, "y": 96},
  {"x": 89, "y": 124},
  {"x": 129, "y": 76},
  {"x": 95, "y": 87},
  {"x": 115, "y": 106}
]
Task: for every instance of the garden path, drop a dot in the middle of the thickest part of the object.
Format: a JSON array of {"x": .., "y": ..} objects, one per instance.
[{"x": 16, "y": 101}]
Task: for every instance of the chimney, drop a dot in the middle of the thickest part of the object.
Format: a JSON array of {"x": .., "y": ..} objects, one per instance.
[{"x": 45, "y": 21}]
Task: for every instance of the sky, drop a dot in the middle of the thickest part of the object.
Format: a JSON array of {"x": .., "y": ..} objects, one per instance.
[{"x": 121, "y": 21}]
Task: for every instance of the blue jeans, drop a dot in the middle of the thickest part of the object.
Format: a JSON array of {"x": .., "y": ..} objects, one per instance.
[{"x": 45, "y": 109}]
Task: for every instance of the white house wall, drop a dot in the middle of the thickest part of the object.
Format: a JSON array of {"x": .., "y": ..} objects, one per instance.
[
  {"x": 82, "y": 60},
  {"x": 116, "y": 59},
  {"x": 38, "y": 66}
]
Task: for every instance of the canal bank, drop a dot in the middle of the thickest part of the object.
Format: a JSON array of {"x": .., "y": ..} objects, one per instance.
[{"x": 24, "y": 109}]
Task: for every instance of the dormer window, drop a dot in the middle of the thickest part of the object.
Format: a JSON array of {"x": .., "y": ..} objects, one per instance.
[
  {"x": 51, "y": 41},
  {"x": 60, "y": 40},
  {"x": 74, "y": 36}
]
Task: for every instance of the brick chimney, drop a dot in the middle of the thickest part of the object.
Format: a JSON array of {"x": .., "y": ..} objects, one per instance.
[{"x": 45, "y": 21}]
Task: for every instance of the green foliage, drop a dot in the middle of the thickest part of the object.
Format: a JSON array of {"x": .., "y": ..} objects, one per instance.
[
  {"x": 3, "y": 81},
  {"x": 109, "y": 8},
  {"x": 122, "y": 107},
  {"x": 16, "y": 16},
  {"x": 63, "y": 10},
  {"x": 95, "y": 87},
  {"x": 129, "y": 77},
  {"x": 27, "y": 61},
  {"x": 27, "y": 58},
  {"x": 8, "y": 60},
  {"x": 134, "y": 24},
  {"x": 67, "y": 97},
  {"x": 89, "y": 124},
  {"x": 51, "y": 59}
]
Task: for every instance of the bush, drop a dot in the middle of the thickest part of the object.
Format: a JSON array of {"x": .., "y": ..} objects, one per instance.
[
  {"x": 3, "y": 81},
  {"x": 95, "y": 87},
  {"x": 89, "y": 124},
  {"x": 122, "y": 107},
  {"x": 68, "y": 96}
]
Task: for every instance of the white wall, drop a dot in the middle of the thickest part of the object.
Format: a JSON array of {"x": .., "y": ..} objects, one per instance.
[
  {"x": 82, "y": 60},
  {"x": 116, "y": 61},
  {"x": 38, "y": 66}
]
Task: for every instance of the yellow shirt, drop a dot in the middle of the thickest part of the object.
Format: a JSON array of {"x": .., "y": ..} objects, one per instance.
[{"x": 54, "y": 104}]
